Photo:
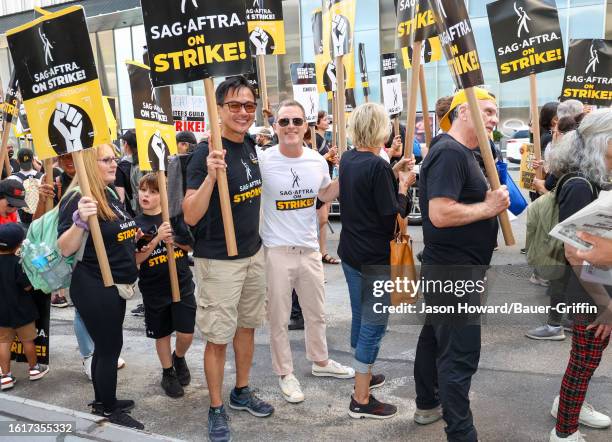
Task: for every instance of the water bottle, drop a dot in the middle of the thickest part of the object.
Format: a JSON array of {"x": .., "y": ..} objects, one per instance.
[{"x": 335, "y": 173}]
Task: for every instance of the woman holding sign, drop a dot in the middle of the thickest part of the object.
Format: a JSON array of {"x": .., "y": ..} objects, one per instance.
[{"x": 102, "y": 309}]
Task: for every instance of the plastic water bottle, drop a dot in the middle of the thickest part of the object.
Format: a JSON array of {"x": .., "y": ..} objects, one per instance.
[
  {"x": 335, "y": 173},
  {"x": 50, "y": 265}
]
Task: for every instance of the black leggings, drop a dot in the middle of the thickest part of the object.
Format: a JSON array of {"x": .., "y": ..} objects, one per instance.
[{"x": 102, "y": 311}]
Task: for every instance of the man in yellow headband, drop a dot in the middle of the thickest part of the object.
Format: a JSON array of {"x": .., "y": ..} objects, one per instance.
[{"x": 460, "y": 230}]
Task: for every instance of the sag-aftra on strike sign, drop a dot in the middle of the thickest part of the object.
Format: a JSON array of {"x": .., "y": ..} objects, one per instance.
[
  {"x": 190, "y": 40},
  {"x": 526, "y": 37}
]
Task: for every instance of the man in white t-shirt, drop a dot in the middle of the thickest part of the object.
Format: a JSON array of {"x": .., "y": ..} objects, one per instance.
[{"x": 293, "y": 177}]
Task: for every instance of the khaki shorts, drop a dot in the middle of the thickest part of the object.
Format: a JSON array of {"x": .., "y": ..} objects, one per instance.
[
  {"x": 25, "y": 333},
  {"x": 230, "y": 294}
]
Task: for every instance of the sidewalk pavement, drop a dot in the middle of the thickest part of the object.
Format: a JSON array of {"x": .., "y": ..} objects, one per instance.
[{"x": 511, "y": 394}]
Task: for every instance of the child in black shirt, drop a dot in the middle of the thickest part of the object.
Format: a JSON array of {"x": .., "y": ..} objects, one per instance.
[
  {"x": 18, "y": 311},
  {"x": 162, "y": 316}
]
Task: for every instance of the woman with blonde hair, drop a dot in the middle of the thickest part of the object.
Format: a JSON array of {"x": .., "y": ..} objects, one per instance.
[
  {"x": 101, "y": 308},
  {"x": 371, "y": 200}
]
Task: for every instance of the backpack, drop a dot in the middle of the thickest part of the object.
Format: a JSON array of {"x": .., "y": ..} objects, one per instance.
[
  {"x": 545, "y": 253},
  {"x": 42, "y": 261},
  {"x": 135, "y": 176}
]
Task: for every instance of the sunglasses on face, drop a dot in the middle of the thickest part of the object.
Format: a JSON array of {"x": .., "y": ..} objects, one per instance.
[
  {"x": 284, "y": 122},
  {"x": 109, "y": 160},
  {"x": 235, "y": 106}
]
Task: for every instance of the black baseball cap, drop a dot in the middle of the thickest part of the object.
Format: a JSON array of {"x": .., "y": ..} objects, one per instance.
[
  {"x": 25, "y": 156},
  {"x": 11, "y": 235},
  {"x": 186, "y": 137},
  {"x": 14, "y": 193}
]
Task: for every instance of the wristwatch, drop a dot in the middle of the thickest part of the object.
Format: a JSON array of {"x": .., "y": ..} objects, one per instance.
[{"x": 76, "y": 219}]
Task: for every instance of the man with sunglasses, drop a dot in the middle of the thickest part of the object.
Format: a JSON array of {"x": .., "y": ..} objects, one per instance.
[
  {"x": 293, "y": 178},
  {"x": 230, "y": 291}
]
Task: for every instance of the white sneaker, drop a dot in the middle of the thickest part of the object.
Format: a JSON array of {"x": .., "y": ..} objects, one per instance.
[
  {"x": 574, "y": 437},
  {"x": 333, "y": 369},
  {"x": 120, "y": 363},
  {"x": 588, "y": 415},
  {"x": 290, "y": 387},
  {"x": 87, "y": 366}
]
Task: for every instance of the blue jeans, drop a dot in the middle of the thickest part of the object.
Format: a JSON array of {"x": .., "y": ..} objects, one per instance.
[
  {"x": 86, "y": 345},
  {"x": 365, "y": 336}
]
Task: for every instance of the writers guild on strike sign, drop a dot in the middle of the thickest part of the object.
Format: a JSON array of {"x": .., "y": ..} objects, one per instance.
[
  {"x": 526, "y": 37},
  {"x": 201, "y": 40},
  {"x": 457, "y": 38}
]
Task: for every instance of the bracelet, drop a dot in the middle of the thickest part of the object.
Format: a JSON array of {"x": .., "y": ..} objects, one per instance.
[{"x": 76, "y": 219}]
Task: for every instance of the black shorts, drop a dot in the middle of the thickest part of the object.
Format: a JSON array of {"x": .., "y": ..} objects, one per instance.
[{"x": 161, "y": 321}]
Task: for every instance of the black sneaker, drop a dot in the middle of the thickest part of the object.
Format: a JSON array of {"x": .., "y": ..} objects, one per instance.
[
  {"x": 171, "y": 384},
  {"x": 182, "y": 371},
  {"x": 377, "y": 380},
  {"x": 122, "y": 404},
  {"x": 139, "y": 310},
  {"x": 373, "y": 409},
  {"x": 523, "y": 251},
  {"x": 120, "y": 417},
  {"x": 296, "y": 324}
]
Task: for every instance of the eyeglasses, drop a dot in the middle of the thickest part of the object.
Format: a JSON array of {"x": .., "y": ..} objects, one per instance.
[
  {"x": 235, "y": 106},
  {"x": 109, "y": 160},
  {"x": 284, "y": 122}
]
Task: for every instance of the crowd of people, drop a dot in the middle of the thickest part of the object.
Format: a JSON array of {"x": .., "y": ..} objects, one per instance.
[{"x": 281, "y": 185}]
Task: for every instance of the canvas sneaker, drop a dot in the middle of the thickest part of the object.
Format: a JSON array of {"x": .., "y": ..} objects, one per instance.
[
  {"x": 247, "y": 401},
  {"x": 58, "y": 300},
  {"x": 120, "y": 363},
  {"x": 333, "y": 369},
  {"x": 120, "y": 417},
  {"x": 139, "y": 310},
  {"x": 588, "y": 415},
  {"x": 574, "y": 437},
  {"x": 291, "y": 389},
  {"x": 218, "y": 427},
  {"x": 38, "y": 371},
  {"x": 374, "y": 409},
  {"x": 7, "y": 382},
  {"x": 547, "y": 333},
  {"x": 426, "y": 417}
]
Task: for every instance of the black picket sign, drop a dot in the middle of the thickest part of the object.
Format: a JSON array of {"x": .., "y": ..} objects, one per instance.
[
  {"x": 588, "y": 72},
  {"x": 457, "y": 38},
  {"x": 9, "y": 106},
  {"x": 415, "y": 22},
  {"x": 193, "y": 40},
  {"x": 526, "y": 37}
]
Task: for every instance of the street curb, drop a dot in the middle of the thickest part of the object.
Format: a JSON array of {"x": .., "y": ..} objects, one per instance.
[{"x": 86, "y": 425}]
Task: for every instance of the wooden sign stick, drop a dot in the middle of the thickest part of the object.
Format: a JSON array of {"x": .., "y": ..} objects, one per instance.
[
  {"x": 6, "y": 132},
  {"x": 413, "y": 87},
  {"x": 341, "y": 100},
  {"x": 263, "y": 87},
  {"x": 313, "y": 137},
  {"x": 163, "y": 197},
  {"x": 489, "y": 162},
  {"x": 216, "y": 144},
  {"x": 535, "y": 121},
  {"x": 396, "y": 125},
  {"x": 48, "y": 180},
  {"x": 94, "y": 225},
  {"x": 335, "y": 119},
  {"x": 425, "y": 107}
]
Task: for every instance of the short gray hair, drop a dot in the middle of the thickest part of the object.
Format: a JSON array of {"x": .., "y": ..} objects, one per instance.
[
  {"x": 290, "y": 103},
  {"x": 584, "y": 149},
  {"x": 569, "y": 108},
  {"x": 369, "y": 126}
]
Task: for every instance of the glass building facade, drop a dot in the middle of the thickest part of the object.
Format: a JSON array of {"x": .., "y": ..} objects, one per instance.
[{"x": 117, "y": 34}]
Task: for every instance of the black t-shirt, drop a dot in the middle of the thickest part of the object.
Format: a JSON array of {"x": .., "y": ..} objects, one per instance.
[
  {"x": 244, "y": 182},
  {"x": 573, "y": 196},
  {"x": 370, "y": 204},
  {"x": 323, "y": 148},
  {"x": 122, "y": 179},
  {"x": 450, "y": 170},
  {"x": 118, "y": 235},
  {"x": 154, "y": 279},
  {"x": 18, "y": 307},
  {"x": 64, "y": 183}
]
